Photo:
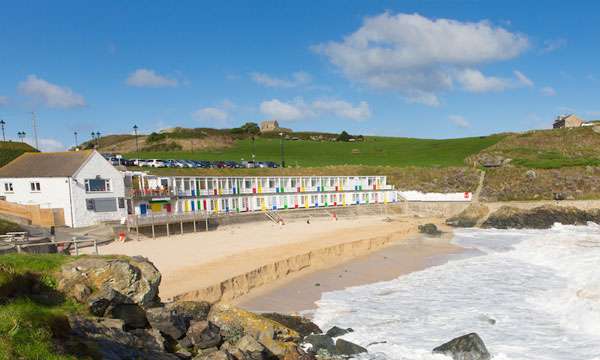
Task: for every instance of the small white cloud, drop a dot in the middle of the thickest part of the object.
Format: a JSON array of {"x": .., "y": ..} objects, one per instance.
[
  {"x": 211, "y": 113},
  {"x": 298, "y": 79},
  {"x": 49, "y": 94},
  {"x": 47, "y": 144},
  {"x": 459, "y": 121},
  {"x": 285, "y": 111},
  {"x": 343, "y": 109},
  {"x": 3, "y": 100},
  {"x": 298, "y": 109},
  {"x": 149, "y": 78},
  {"x": 522, "y": 79},
  {"x": 553, "y": 45},
  {"x": 548, "y": 91},
  {"x": 475, "y": 81}
]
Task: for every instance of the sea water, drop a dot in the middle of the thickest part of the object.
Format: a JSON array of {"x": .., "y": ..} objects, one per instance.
[{"x": 529, "y": 294}]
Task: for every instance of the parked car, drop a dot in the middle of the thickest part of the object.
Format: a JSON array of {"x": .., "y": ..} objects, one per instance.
[{"x": 155, "y": 163}]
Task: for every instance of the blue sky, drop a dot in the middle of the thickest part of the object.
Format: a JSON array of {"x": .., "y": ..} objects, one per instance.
[{"x": 435, "y": 69}]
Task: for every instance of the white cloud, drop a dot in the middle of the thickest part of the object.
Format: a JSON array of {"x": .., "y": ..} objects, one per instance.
[
  {"x": 47, "y": 144},
  {"x": 298, "y": 109},
  {"x": 459, "y": 121},
  {"x": 298, "y": 78},
  {"x": 548, "y": 91},
  {"x": 553, "y": 45},
  {"x": 474, "y": 81},
  {"x": 417, "y": 56},
  {"x": 343, "y": 109},
  {"x": 3, "y": 100},
  {"x": 285, "y": 111},
  {"x": 50, "y": 94},
  {"x": 211, "y": 113},
  {"x": 217, "y": 114},
  {"x": 149, "y": 78},
  {"x": 522, "y": 79}
]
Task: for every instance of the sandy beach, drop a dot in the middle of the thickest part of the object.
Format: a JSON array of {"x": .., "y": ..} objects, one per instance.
[
  {"x": 300, "y": 291},
  {"x": 196, "y": 261}
]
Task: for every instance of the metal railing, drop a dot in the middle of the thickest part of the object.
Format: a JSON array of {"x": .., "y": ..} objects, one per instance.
[{"x": 21, "y": 240}]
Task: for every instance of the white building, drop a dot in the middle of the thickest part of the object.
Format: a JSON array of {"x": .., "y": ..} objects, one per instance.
[{"x": 83, "y": 184}]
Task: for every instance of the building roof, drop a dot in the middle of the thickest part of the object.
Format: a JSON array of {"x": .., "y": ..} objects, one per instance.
[{"x": 49, "y": 164}]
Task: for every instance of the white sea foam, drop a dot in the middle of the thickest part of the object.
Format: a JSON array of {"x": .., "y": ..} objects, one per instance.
[{"x": 541, "y": 286}]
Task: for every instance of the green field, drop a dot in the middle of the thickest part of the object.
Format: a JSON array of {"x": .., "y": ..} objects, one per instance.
[
  {"x": 384, "y": 151},
  {"x": 10, "y": 150}
]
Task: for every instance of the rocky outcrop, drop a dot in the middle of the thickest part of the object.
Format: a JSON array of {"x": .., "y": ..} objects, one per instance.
[
  {"x": 346, "y": 348},
  {"x": 338, "y": 331},
  {"x": 542, "y": 217},
  {"x": 466, "y": 347},
  {"x": 325, "y": 347},
  {"x": 114, "y": 281},
  {"x": 470, "y": 216},
  {"x": 429, "y": 229},
  {"x": 303, "y": 326}
]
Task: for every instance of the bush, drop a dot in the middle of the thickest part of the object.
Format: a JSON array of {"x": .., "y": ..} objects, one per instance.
[
  {"x": 344, "y": 136},
  {"x": 155, "y": 137}
]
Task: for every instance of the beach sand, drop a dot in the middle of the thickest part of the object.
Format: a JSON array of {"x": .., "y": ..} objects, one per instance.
[
  {"x": 299, "y": 292},
  {"x": 196, "y": 261}
]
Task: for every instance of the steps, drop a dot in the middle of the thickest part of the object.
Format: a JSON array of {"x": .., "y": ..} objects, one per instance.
[{"x": 274, "y": 217}]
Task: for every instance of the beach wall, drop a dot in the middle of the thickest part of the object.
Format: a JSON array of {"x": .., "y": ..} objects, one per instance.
[{"x": 242, "y": 284}]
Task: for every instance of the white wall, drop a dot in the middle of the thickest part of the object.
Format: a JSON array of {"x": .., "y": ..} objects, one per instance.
[
  {"x": 54, "y": 193},
  {"x": 96, "y": 166},
  {"x": 419, "y": 196}
]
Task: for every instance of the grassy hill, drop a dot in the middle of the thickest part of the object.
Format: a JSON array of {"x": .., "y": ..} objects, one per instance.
[
  {"x": 375, "y": 151},
  {"x": 10, "y": 150},
  {"x": 549, "y": 149}
]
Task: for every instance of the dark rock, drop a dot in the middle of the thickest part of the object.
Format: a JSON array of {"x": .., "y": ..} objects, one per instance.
[
  {"x": 204, "y": 334},
  {"x": 252, "y": 349},
  {"x": 559, "y": 196},
  {"x": 191, "y": 310},
  {"x": 429, "y": 229},
  {"x": 320, "y": 342},
  {"x": 470, "y": 216},
  {"x": 167, "y": 321},
  {"x": 300, "y": 324},
  {"x": 466, "y": 347},
  {"x": 132, "y": 315},
  {"x": 338, "y": 331},
  {"x": 81, "y": 292},
  {"x": 343, "y": 347},
  {"x": 542, "y": 217},
  {"x": 98, "y": 306},
  {"x": 217, "y": 355},
  {"x": 113, "y": 343}
]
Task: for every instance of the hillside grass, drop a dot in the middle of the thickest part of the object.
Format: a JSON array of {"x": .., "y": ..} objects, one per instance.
[
  {"x": 10, "y": 150},
  {"x": 29, "y": 324},
  {"x": 374, "y": 151},
  {"x": 549, "y": 149}
]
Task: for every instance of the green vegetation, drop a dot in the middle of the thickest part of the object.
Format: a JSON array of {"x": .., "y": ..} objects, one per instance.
[
  {"x": 7, "y": 226},
  {"x": 32, "y": 313},
  {"x": 549, "y": 149},
  {"x": 382, "y": 151},
  {"x": 10, "y": 150},
  {"x": 161, "y": 147}
]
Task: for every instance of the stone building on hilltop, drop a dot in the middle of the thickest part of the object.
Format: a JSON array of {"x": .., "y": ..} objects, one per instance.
[
  {"x": 269, "y": 125},
  {"x": 567, "y": 121}
]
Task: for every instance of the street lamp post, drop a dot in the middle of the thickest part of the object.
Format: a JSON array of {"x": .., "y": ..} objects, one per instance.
[
  {"x": 98, "y": 139},
  {"x": 282, "y": 154},
  {"x": 253, "y": 149},
  {"x": 2, "y": 123},
  {"x": 137, "y": 146},
  {"x": 21, "y": 135},
  {"x": 76, "y": 142}
]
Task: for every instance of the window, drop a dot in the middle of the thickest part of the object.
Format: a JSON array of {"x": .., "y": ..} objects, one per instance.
[
  {"x": 271, "y": 183},
  {"x": 97, "y": 185},
  {"x": 35, "y": 186},
  {"x": 89, "y": 204},
  {"x": 293, "y": 182},
  {"x": 8, "y": 187},
  {"x": 121, "y": 203},
  {"x": 102, "y": 204}
]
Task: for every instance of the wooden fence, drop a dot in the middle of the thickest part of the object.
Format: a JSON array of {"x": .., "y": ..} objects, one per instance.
[{"x": 34, "y": 214}]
